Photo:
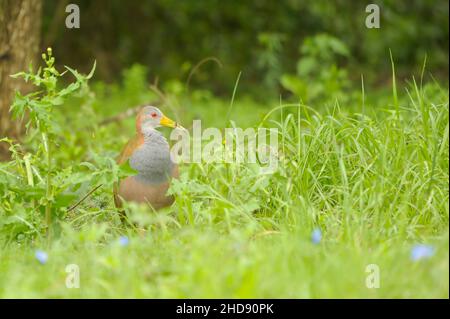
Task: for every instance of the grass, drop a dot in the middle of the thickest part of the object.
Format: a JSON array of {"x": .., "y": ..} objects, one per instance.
[{"x": 375, "y": 184}]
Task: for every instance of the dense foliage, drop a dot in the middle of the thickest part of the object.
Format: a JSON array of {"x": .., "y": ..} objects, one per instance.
[
  {"x": 259, "y": 38},
  {"x": 370, "y": 177}
]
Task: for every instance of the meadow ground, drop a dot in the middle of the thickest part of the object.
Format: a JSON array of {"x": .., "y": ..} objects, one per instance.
[{"x": 358, "y": 184}]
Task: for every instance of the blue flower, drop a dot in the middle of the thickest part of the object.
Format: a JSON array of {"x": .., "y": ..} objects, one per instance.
[
  {"x": 421, "y": 251},
  {"x": 41, "y": 256},
  {"x": 316, "y": 236},
  {"x": 124, "y": 241}
]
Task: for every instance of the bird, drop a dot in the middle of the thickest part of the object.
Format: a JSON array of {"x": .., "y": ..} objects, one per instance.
[{"x": 148, "y": 153}]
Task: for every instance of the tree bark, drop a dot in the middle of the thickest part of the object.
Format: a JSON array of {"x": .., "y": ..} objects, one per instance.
[{"x": 20, "y": 25}]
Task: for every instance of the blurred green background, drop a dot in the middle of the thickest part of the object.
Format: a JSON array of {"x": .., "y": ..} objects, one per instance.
[{"x": 263, "y": 39}]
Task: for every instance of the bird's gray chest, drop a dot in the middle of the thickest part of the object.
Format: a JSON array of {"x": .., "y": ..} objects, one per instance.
[{"x": 152, "y": 160}]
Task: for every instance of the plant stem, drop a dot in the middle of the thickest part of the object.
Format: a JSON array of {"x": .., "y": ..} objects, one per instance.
[
  {"x": 30, "y": 178},
  {"x": 48, "y": 207}
]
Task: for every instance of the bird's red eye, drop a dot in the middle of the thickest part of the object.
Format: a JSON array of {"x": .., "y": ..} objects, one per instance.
[{"x": 154, "y": 115}]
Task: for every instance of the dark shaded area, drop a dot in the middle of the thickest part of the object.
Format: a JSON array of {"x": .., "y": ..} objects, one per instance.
[{"x": 261, "y": 39}]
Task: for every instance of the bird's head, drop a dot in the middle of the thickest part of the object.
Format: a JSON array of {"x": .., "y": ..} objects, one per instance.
[{"x": 150, "y": 117}]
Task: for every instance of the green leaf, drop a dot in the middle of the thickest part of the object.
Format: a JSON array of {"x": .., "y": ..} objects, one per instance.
[
  {"x": 127, "y": 170},
  {"x": 92, "y": 70}
]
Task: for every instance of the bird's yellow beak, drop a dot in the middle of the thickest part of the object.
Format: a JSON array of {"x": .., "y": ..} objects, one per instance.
[{"x": 165, "y": 121}]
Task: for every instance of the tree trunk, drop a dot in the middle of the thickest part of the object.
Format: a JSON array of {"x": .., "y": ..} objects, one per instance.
[{"x": 20, "y": 24}]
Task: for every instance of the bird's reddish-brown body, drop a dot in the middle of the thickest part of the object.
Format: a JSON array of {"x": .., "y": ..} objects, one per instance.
[
  {"x": 132, "y": 190},
  {"x": 135, "y": 190}
]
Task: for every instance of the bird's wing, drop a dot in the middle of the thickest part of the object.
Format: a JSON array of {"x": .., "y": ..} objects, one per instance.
[{"x": 131, "y": 146}]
